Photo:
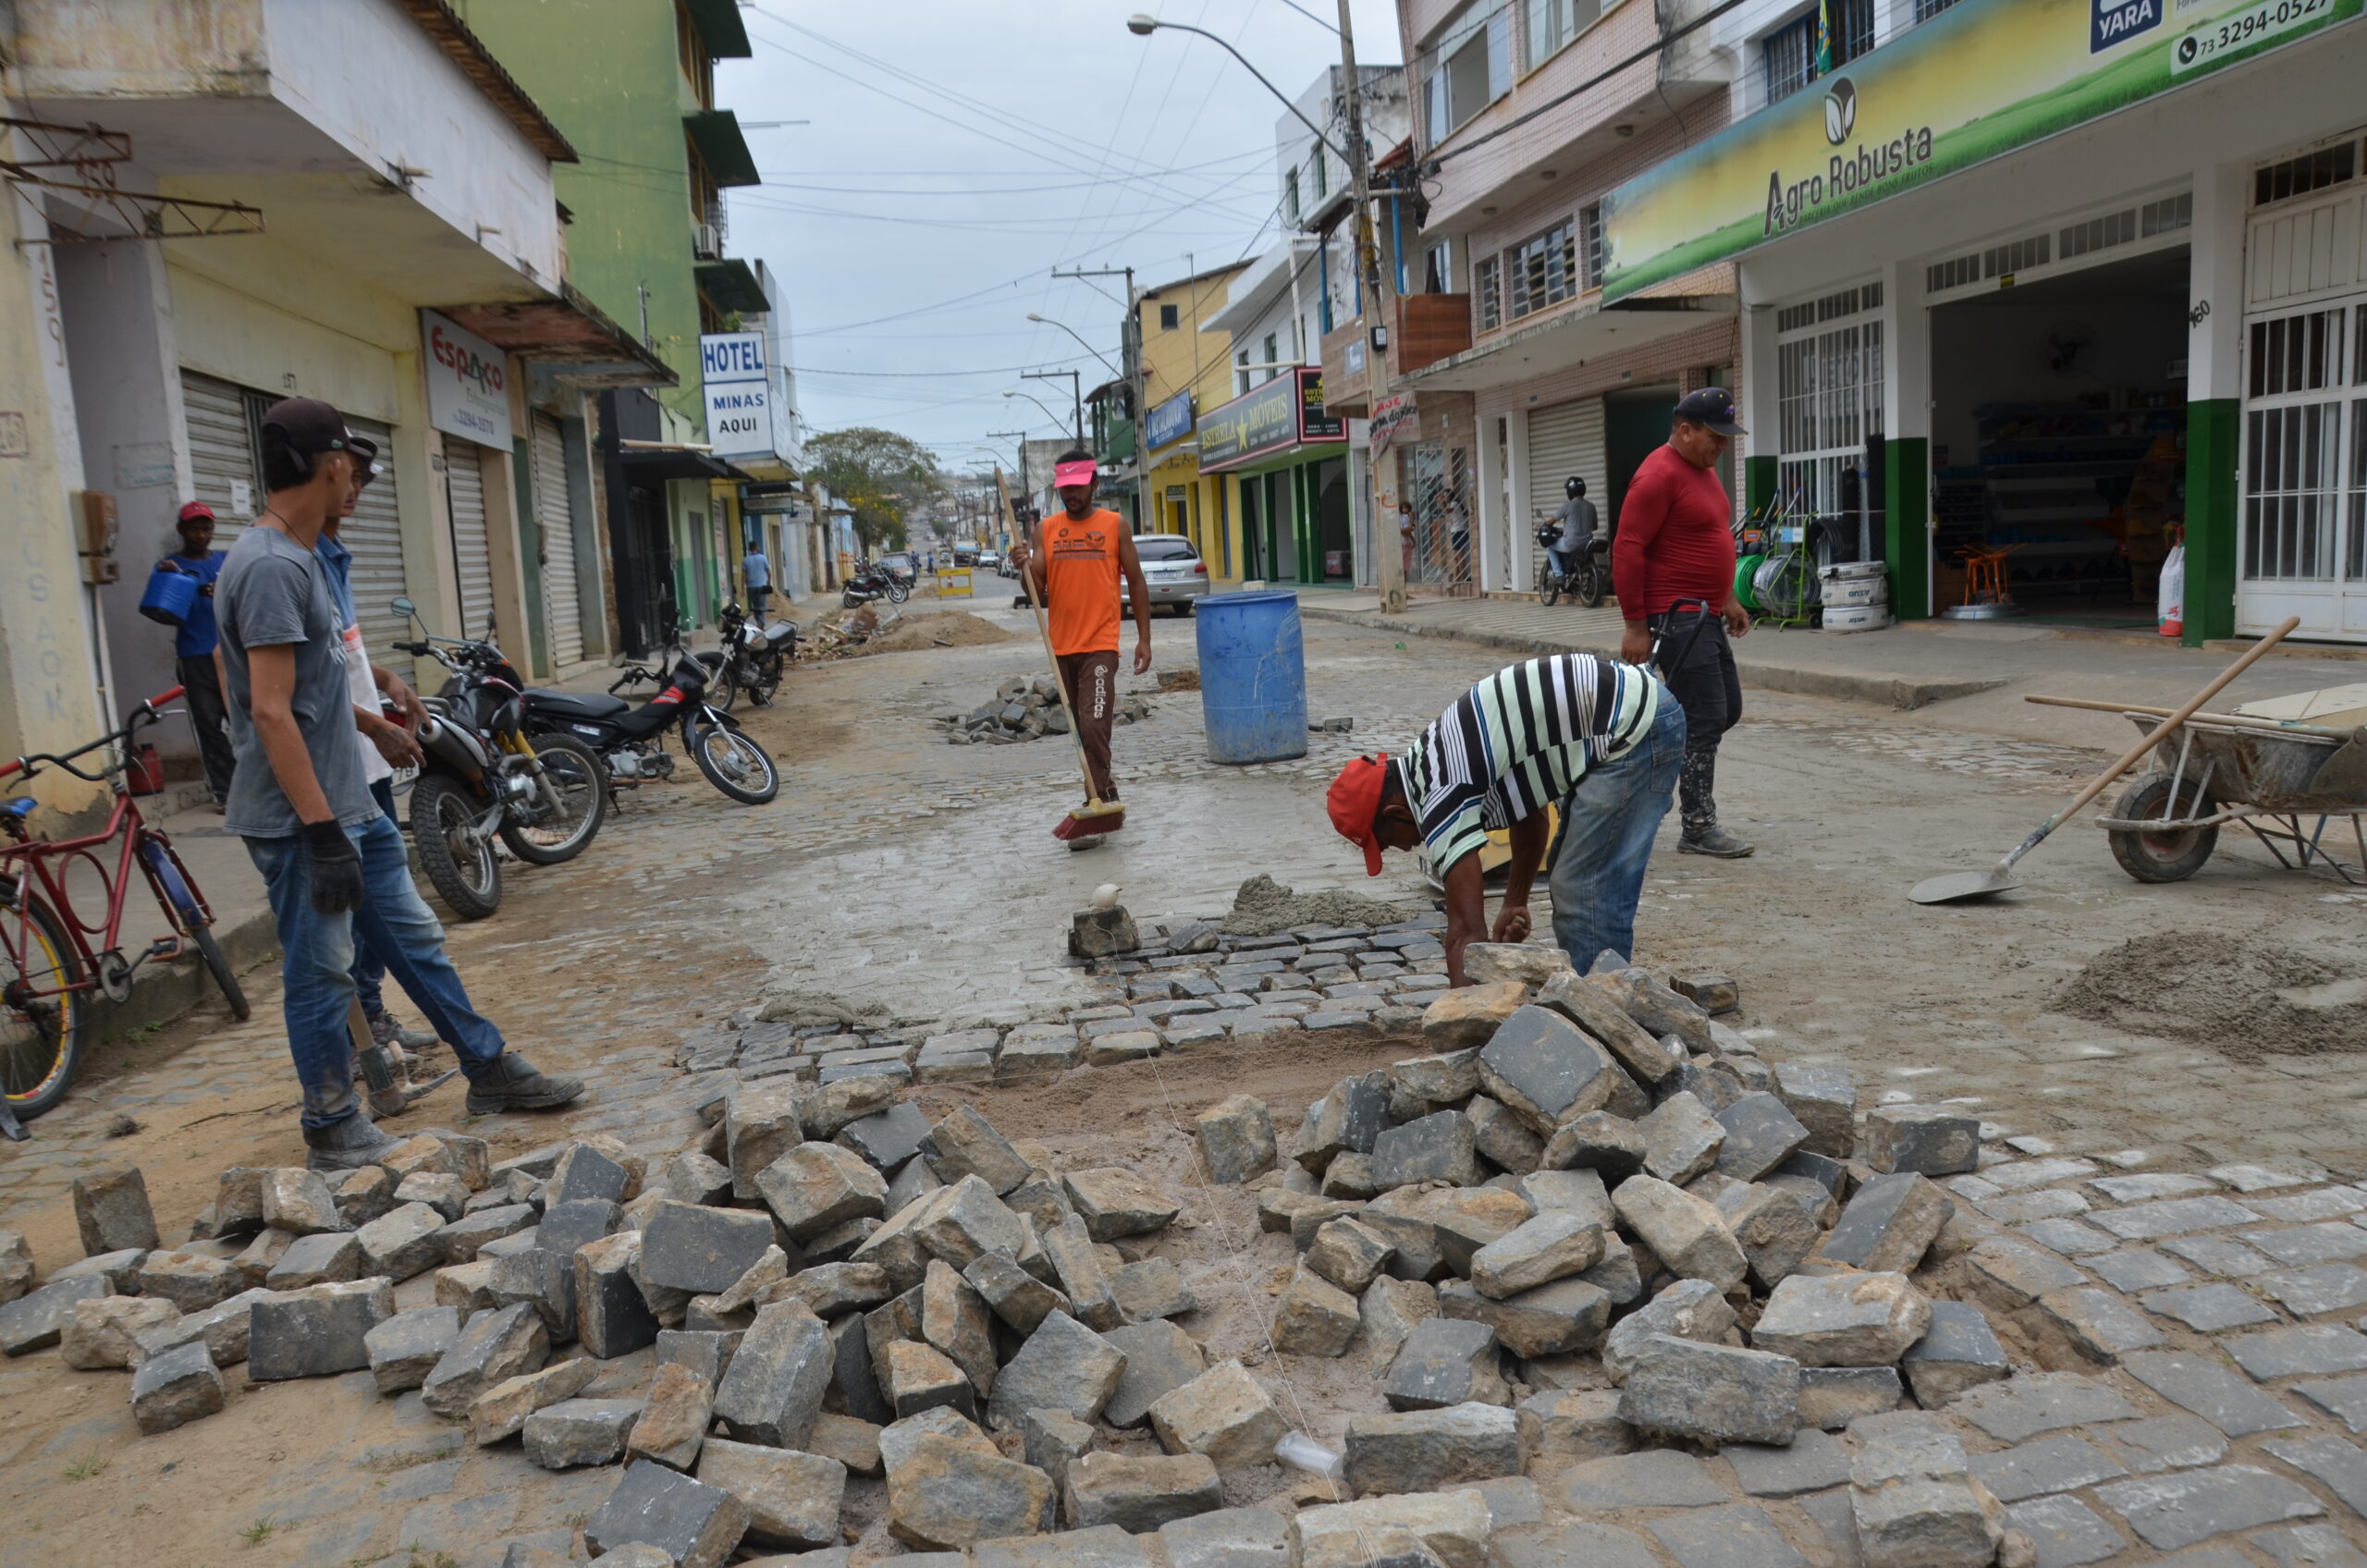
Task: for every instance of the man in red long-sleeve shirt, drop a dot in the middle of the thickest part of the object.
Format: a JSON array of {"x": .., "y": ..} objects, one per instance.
[{"x": 1675, "y": 541}]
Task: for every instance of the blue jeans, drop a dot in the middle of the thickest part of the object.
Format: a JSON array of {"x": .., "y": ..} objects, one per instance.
[
  {"x": 369, "y": 969},
  {"x": 1606, "y": 840},
  {"x": 317, "y": 984}
]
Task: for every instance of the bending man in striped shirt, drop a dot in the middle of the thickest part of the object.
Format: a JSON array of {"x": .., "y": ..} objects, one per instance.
[{"x": 1602, "y": 739}]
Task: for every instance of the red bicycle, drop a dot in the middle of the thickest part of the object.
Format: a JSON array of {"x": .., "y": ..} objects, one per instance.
[{"x": 49, "y": 964}]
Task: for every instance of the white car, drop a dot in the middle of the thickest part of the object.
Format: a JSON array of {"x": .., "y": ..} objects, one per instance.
[
  {"x": 1173, "y": 569},
  {"x": 989, "y": 560}
]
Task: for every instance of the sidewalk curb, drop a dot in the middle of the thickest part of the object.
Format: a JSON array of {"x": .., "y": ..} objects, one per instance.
[{"x": 1899, "y": 692}]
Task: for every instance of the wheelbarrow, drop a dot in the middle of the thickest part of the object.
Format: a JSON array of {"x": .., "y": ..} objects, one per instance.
[{"x": 2286, "y": 783}]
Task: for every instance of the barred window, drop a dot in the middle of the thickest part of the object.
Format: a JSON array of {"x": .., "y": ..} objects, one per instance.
[
  {"x": 1590, "y": 246},
  {"x": 1543, "y": 271},
  {"x": 1491, "y": 309}
]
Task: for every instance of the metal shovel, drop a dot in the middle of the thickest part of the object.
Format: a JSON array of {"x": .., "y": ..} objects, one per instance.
[{"x": 1958, "y": 886}]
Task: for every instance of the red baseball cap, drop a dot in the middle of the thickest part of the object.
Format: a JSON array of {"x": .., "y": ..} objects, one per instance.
[
  {"x": 1355, "y": 803},
  {"x": 196, "y": 509}
]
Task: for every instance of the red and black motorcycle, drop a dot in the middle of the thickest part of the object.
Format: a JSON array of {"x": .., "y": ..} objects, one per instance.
[{"x": 630, "y": 740}]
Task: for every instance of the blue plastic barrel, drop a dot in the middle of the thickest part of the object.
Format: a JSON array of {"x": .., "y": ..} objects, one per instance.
[
  {"x": 1253, "y": 676},
  {"x": 170, "y": 593}
]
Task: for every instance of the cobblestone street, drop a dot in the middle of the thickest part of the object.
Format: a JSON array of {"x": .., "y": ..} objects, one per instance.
[{"x": 2165, "y": 1224}]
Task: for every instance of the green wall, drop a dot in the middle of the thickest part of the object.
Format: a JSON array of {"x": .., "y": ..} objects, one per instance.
[
  {"x": 2212, "y": 426},
  {"x": 1907, "y": 515},
  {"x": 607, "y": 74}
]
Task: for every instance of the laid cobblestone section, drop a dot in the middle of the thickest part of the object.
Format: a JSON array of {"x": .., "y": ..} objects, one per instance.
[{"x": 1631, "y": 1296}]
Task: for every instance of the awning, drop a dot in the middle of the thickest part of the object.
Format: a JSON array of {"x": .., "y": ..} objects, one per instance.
[
  {"x": 720, "y": 29},
  {"x": 570, "y": 336},
  {"x": 1590, "y": 332},
  {"x": 715, "y": 133},
  {"x": 646, "y": 466},
  {"x": 730, "y": 285}
]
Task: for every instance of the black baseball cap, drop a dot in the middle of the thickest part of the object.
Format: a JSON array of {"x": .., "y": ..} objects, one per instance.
[
  {"x": 312, "y": 427},
  {"x": 1711, "y": 406}
]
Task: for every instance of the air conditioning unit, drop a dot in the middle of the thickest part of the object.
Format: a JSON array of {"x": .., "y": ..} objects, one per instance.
[{"x": 706, "y": 242}]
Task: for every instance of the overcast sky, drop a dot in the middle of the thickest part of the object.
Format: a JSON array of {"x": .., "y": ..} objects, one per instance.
[{"x": 961, "y": 151}]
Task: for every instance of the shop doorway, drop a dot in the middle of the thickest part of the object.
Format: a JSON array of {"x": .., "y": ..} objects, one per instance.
[
  {"x": 1331, "y": 514},
  {"x": 2058, "y": 440},
  {"x": 1253, "y": 527},
  {"x": 1634, "y": 423}
]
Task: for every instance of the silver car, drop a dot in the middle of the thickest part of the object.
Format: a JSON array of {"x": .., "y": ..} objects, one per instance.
[{"x": 1173, "y": 570}]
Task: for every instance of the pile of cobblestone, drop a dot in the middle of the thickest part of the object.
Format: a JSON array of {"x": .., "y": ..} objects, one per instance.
[
  {"x": 1024, "y": 709},
  {"x": 1630, "y": 1293}
]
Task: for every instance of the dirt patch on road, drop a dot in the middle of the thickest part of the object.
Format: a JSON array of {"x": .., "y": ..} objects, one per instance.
[
  {"x": 2246, "y": 996},
  {"x": 956, "y": 628},
  {"x": 1264, "y": 906}
]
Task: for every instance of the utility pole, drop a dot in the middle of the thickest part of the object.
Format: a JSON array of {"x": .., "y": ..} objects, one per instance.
[
  {"x": 1020, "y": 437},
  {"x": 1391, "y": 559},
  {"x": 1130, "y": 345},
  {"x": 1077, "y": 396}
]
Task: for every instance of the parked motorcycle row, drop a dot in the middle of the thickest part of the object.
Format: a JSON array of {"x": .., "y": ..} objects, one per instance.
[
  {"x": 875, "y": 580},
  {"x": 538, "y": 770}
]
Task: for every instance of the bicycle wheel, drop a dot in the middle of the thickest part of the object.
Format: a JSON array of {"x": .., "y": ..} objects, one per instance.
[
  {"x": 732, "y": 763},
  {"x": 574, "y": 770},
  {"x": 192, "y": 918},
  {"x": 41, "y": 1037}
]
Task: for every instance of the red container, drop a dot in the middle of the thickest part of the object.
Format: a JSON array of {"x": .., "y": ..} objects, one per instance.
[{"x": 145, "y": 774}]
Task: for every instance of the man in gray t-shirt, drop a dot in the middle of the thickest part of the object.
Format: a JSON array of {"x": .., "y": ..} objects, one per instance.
[
  {"x": 331, "y": 860},
  {"x": 274, "y": 592}
]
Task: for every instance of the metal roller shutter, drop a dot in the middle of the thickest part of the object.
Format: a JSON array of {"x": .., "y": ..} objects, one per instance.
[
  {"x": 375, "y": 535},
  {"x": 472, "y": 545},
  {"x": 1564, "y": 440},
  {"x": 557, "y": 520},
  {"x": 222, "y": 452}
]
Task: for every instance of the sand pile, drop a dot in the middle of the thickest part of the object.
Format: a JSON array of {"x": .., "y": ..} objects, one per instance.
[
  {"x": 2246, "y": 996},
  {"x": 1264, "y": 906},
  {"x": 955, "y": 629}
]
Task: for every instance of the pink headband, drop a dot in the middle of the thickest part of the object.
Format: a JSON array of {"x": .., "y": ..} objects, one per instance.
[{"x": 1066, "y": 474}]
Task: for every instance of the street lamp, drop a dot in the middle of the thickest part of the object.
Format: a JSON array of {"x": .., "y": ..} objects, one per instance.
[
  {"x": 1143, "y": 26},
  {"x": 1046, "y": 321},
  {"x": 1039, "y": 403}
]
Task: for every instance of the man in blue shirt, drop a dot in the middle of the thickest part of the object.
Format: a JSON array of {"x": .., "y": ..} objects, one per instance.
[
  {"x": 197, "y": 659},
  {"x": 759, "y": 573}
]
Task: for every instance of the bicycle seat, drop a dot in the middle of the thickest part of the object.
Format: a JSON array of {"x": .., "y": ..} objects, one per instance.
[
  {"x": 21, "y": 805},
  {"x": 576, "y": 704}
]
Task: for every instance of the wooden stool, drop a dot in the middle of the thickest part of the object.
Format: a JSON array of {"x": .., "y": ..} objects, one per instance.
[{"x": 1984, "y": 573}]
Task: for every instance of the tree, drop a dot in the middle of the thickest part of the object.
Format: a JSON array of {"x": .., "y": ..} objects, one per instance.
[{"x": 883, "y": 476}]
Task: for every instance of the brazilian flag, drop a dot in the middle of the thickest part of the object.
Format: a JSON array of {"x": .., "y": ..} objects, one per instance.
[{"x": 1824, "y": 38}]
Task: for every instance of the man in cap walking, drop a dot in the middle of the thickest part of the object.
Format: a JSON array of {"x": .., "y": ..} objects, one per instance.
[
  {"x": 328, "y": 854},
  {"x": 1675, "y": 541}
]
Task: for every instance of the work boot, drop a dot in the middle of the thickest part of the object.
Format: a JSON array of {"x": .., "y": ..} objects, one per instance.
[
  {"x": 1713, "y": 841},
  {"x": 511, "y": 1082},
  {"x": 347, "y": 1146},
  {"x": 388, "y": 1032}
]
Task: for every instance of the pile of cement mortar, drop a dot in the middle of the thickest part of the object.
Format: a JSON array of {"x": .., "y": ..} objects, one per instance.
[
  {"x": 1264, "y": 906},
  {"x": 2245, "y": 996}
]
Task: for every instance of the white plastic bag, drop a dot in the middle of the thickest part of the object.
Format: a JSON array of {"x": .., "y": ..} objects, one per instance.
[{"x": 2171, "y": 602}]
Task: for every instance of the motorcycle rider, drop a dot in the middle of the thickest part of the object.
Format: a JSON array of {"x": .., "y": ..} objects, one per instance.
[{"x": 1578, "y": 521}]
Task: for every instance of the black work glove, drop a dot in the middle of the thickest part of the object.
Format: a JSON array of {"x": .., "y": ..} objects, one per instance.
[{"x": 336, "y": 868}]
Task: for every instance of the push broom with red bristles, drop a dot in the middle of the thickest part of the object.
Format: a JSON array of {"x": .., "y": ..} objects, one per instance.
[{"x": 1097, "y": 816}]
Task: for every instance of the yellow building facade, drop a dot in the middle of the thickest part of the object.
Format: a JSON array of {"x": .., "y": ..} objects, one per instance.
[{"x": 1187, "y": 370}]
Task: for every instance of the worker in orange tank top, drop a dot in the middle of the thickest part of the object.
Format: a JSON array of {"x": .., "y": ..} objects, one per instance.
[{"x": 1073, "y": 570}]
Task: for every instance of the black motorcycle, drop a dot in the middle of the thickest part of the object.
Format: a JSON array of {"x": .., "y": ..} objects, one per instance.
[
  {"x": 544, "y": 797},
  {"x": 631, "y": 740},
  {"x": 872, "y": 580},
  {"x": 1588, "y": 578},
  {"x": 751, "y": 660}
]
